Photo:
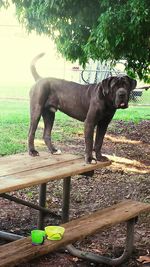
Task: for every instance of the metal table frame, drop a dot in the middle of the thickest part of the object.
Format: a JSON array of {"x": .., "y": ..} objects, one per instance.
[{"x": 65, "y": 218}]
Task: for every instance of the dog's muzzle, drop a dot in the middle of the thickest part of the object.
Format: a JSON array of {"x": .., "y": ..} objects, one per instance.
[{"x": 121, "y": 100}]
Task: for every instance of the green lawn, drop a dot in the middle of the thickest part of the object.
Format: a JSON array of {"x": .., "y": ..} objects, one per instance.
[
  {"x": 133, "y": 113},
  {"x": 14, "y": 124}
]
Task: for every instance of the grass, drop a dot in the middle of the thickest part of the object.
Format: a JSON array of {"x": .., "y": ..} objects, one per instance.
[
  {"x": 14, "y": 121},
  {"x": 13, "y": 127},
  {"x": 133, "y": 113}
]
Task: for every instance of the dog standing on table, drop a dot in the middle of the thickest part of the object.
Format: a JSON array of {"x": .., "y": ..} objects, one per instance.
[{"x": 94, "y": 104}]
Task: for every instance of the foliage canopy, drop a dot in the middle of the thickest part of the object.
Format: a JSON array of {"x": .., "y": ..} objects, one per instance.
[{"x": 98, "y": 29}]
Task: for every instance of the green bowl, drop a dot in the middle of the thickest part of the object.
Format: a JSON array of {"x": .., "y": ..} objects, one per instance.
[{"x": 37, "y": 237}]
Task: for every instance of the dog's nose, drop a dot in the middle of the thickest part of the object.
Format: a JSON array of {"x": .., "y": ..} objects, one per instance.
[{"x": 122, "y": 94}]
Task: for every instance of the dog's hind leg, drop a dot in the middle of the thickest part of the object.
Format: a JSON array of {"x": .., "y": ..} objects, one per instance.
[
  {"x": 35, "y": 117},
  {"x": 48, "y": 118}
]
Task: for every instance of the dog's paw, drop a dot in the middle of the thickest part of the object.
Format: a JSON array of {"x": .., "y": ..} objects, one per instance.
[
  {"x": 102, "y": 158},
  {"x": 93, "y": 161},
  {"x": 90, "y": 160},
  {"x": 57, "y": 152},
  {"x": 33, "y": 153}
]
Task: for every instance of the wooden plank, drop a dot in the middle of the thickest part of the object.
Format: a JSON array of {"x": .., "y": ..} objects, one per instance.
[
  {"x": 45, "y": 174},
  {"x": 22, "y": 250},
  {"x": 23, "y": 162},
  {"x": 20, "y": 156}
]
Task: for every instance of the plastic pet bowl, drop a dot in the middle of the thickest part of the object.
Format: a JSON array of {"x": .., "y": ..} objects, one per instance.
[
  {"x": 37, "y": 237},
  {"x": 54, "y": 232}
]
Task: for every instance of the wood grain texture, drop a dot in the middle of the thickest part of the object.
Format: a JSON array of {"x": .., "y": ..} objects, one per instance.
[
  {"x": 23, "y": 162},
  {"x": 22, "y": 250},
  {"x": 22, "y": 171}
]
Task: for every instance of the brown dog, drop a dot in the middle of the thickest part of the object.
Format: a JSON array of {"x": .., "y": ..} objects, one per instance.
[{"x": 93, "y": 104}]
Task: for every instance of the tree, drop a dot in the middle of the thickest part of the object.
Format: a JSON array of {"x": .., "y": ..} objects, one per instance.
[{"x": 97, "y": 29}]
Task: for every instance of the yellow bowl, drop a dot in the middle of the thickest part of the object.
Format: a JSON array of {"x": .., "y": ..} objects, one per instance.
[{"x": 54, "y": 232}]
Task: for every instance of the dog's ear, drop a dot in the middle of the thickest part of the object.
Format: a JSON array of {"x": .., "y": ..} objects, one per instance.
[
  {"x": 106, "y": 84},
  {"x": 132, "y": 82}
]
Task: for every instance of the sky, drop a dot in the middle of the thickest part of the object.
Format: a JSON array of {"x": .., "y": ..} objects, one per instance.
[{"x": 18, "y": 49}]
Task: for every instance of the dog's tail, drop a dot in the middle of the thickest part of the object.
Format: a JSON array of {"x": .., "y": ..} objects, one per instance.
[{"x": 33, "y": 68}]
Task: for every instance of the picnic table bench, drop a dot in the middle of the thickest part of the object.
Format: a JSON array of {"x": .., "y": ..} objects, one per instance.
[{"x": 21, "y": 171}]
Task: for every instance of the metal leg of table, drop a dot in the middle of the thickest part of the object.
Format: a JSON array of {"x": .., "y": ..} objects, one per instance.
[
  {"x": 9, "y": 236},
  {"x": 42, "y": 202},
  {"x": 66, "y": 199},
  {"x": 29, "y": 204},
  {"x": 106, "y": 260}
]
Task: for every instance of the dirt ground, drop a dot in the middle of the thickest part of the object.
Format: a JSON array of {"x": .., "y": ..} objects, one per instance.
[{"x": 127, "y": 178}]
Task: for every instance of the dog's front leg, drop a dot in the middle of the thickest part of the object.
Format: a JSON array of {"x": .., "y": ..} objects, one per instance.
[
  {"x": 88, "y": 133},
  {"x": 100, "y": 133}
]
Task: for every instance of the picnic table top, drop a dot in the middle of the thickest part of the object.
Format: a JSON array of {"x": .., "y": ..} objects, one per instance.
[{"x": 21, "y": 170}]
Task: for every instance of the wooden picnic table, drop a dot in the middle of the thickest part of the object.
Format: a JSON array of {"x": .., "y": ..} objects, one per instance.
[{"x": 22, "y": 171}]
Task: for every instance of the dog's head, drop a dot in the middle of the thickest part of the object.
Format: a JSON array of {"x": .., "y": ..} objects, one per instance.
[{"x": 117, "y": 90}]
